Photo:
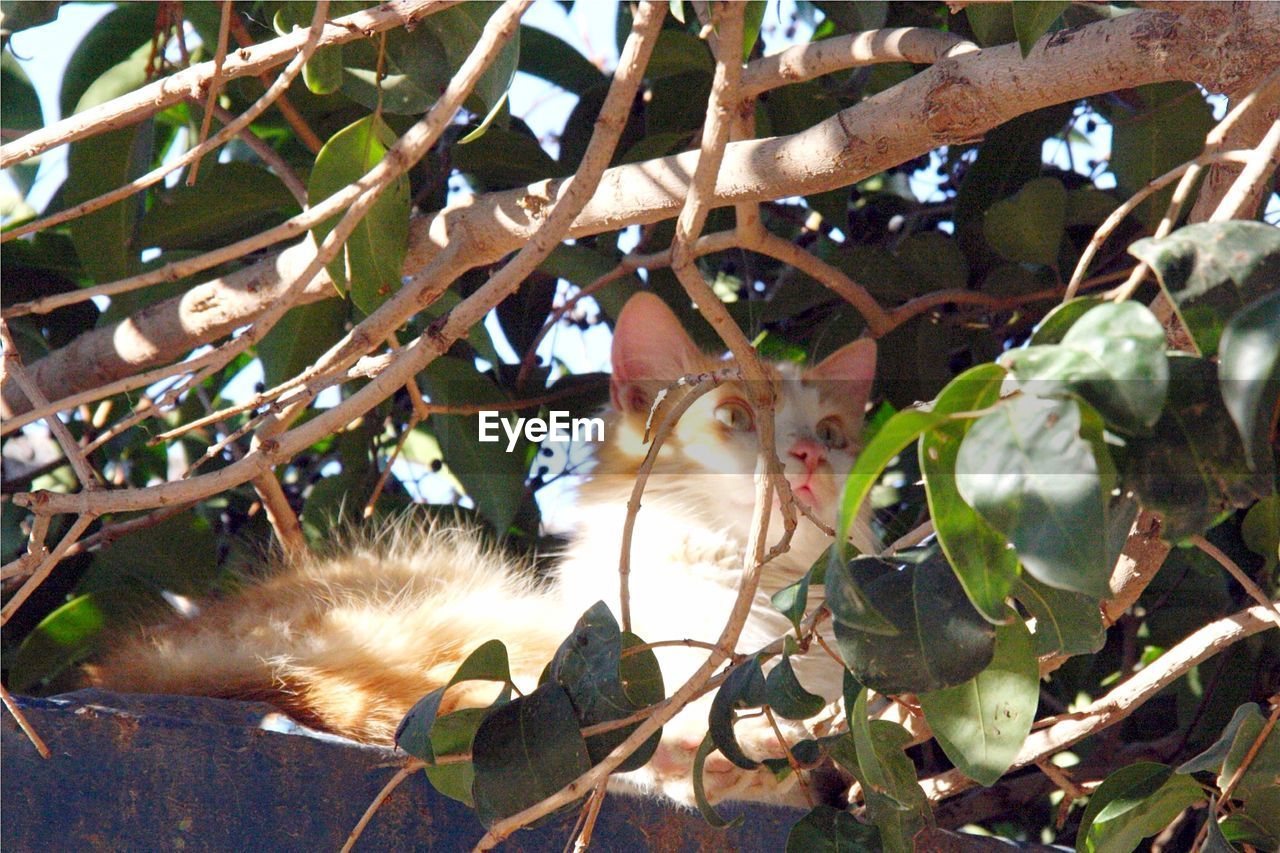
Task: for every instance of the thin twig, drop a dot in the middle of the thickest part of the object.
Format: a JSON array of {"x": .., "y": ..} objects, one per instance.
[
  {"x": 403, "y": 773},
  {"x": 301, "y": 129},
  {"x": 70, "y": 447},
  {"x": 23, "y": 723},
  {"x": 50, "y": 562},
  {"x": 1236, "y": 572},
  {"x": 284, "y": 521},
  {"x": 215, "y": 85},
  {"x": 791, "y": 759}
]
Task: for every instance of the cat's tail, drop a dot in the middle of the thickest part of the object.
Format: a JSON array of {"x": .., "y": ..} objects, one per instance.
[{"x": 349, "y": 643}]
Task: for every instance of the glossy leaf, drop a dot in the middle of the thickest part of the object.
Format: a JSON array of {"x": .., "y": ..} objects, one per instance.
[
  {"x": 895, "y": 802},
  {"x": 983, "y": 561},
  {"x": 1028, "y": 227},
  {"x": 230, "y": 200},
  {"x": 1134, "y": 803},
  {"x": 1028, "y": 469},
  {"x": 786, "y": 696},
  {"x": 830, "y": 830},
  {"x": 453, "y": 734},
  {"x": 554, "y": 60},
  {"x": 373, "y": 256},
  {"x": 1256, "y": 786},
  {"x": 525, "y": 751},
  {"x": 942, "y": 640},
  {"x": 793, "y": 599},
  {"x": 982, "y": 723},
  {"x": 1249, "y": 372},
  {"x": 1033, "y": 18},
  {"x": 744, "y": 688},
  {"x": 1212, "y": 270},
  {"x": 708, "y": 812},
  {"x": 488, "y": 662},
  {"x": 1055, "y": 325},
  {"x": 1212, "y": 758},
  {"x": 1113, "y": 357},
  {"x": 590, "y": 667}
]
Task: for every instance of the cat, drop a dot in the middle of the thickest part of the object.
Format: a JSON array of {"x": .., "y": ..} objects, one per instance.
[{"x": 349, "y": 643}]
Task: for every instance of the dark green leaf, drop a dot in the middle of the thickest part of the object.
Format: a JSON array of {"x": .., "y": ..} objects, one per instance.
[
  {"x": 20, "y": 104},
  {"x": 415, "y": 735},
  {"x": 1256, "y": 786},
  {"x": 1212, "y": 270},
  {"x": 753, "y": 17},
  {"x": 942, "y": 640},
  {"x": 933, "y": 261},
  {"x": 830, "y": 830},
  {"x": 373, "y": 256},
  {"x": 525, "y": 751},
  {"x": 1211, "y": 759},
  {"x": 744, "y": 688},
  {"x": 1033, "y": 18},
  {"x": 1249, "y": 372},
  {"x": 1113, "y": 357},
  {"x": 1028, "y": 227},
  {"x": 230, "y": 200},
  {"x": 179, "y": 554},
  {"x": 787, "y": 696},
  {"x": 1029, "y": 470},
  {"x": 1134, "y": 803},
  {"x": 589, "y": 665},
  {"x": 895, "y": 802},
  {"x": 992, "y": 23},
  {"x": 708, "y": 812},
  {"x": 1055, "y": 325},
  {"x": 1192, "y": 467},
  {"x": 849, "y": 602},
  {"x": 1167, "y": 129},
  {"x": 547, "y": 56},
  {"x": 1261, "y": 531},
  {"x": 502, "y": 159},
  {"x": 793, "y": 599},
  {"x": 112, "y": 40},
  {"x": 19, "y": 15},
  {"x": 982, "y": 723},
  {"x": 299, "y": 338},
  {"x": 453, "y": 734},
  {"x": 981, "y": 557}
]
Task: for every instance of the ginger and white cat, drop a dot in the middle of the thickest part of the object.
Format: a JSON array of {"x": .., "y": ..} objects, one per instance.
[{"x": 350, "y": 643}]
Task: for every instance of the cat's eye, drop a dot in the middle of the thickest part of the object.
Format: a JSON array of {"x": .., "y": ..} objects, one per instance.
[
  {"x": 831, "y": 433},
  {"x": 735, "y": 415}
]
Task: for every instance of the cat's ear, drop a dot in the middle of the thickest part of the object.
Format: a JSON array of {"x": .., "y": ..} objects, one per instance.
[
  {"x": 650, "y": 350},
  {"x": 853, "y": 366}
]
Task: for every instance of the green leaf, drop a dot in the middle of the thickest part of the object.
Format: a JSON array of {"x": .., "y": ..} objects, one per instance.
[
  {"x": 494, "y": 478},
  {"x": 1256, "y": 786},
  {"x": 74, "y": 631},
  {"x": 230, "y": 200},
  {"x": 1134, "y": 803},
  {"x": 1028, "y": 227},
  {"x": 373, "y": 256},
  {"x": 1211, "y": 760},
  {"x": 982, "y": 723},
  {"x": 1192, "y": 467},
  {"x": 849, "y": 602},
  {"x": 1167, "y": 128},
  {"x": 487, "y": 662},
  {"x": 1212, "y": 270},
  {"x": 744, "y": 688},
  {"x": 753, "y": 17},
  {"x": 17, "y": 16},
  {"x": 554, "y": 60},
  {"x": 830, "y": 830},
  {"x": 793, "y": 599},
  {"x": 1031, "y": 473},
  {"x": 20, "y": 103},
  {"x": 1055, "y": 325},
  {"x": 787, "y": 696},
  {"x": 1033, "y": 18},
  {"x": 941, "y": 641},
  {"x": 418, "y": 65},
  {"x": 1067, "y": 623},
  {"x": 453, "y": 734},
  {"x": 1113, "y": 356},
  {"x": 111, "y": 41},
  {"x": 299, "y": 338},
  {"x": 104, "y": 239},
  {"x": 708, "y": 812},
  {"x": 992, "y": 23},
  {"x": 1261, "y": 531},
  {"x": 1249, "y": 373},
  {"x": 525, "y": 751},
  {"x": 590, "y": 667},
  {"x": 983, "y": 561},
  {"x": 933, "y": 261},
  {"x": 895, "y": 802},
  {"x": 179, "y": 554}
]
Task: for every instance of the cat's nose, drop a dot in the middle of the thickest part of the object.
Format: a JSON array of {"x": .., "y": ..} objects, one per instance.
[{"x": 809, "y": 452}]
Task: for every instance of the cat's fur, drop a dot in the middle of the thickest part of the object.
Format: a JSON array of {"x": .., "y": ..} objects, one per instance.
[{"x": 349, "y": 643}]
